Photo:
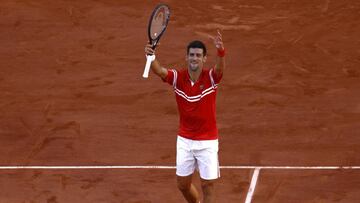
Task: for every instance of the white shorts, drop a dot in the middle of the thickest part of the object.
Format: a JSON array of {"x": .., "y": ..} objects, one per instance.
[{"x": 199, "y": 154}]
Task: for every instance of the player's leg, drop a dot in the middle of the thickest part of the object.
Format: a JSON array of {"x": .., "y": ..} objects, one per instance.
[
  {"x": 208, "y": 162},
  {"x": 188, "y": 189},
  {"x": 185, "y": 167},
  {"x": 208, "y": 188}
]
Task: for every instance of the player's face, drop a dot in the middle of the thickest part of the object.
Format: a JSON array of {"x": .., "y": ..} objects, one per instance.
[{"x": 195, "y": 59}]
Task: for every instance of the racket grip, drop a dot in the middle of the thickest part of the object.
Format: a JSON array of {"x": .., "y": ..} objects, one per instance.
[{"x": 149, "y": 59}]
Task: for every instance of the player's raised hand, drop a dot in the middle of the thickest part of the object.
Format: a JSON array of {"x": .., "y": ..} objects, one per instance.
[
  {"x": 149, "y": 50},
  {"x": 218, "y": 42}
]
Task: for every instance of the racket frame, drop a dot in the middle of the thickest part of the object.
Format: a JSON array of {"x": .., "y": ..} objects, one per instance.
[{"x": 154, "y": 42}]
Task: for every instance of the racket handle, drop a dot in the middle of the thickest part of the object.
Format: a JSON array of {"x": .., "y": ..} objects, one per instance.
[{"x": 149, "y": 59}]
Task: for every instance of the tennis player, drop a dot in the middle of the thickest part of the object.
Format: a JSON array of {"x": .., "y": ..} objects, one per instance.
[{"x": 195, "y": 89}]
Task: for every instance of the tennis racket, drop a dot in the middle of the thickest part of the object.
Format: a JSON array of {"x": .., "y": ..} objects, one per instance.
[{"x": 157, "y": 25}]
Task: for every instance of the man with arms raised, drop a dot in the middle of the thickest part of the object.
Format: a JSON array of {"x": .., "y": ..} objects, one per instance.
[{"x": 197, "y": 143}]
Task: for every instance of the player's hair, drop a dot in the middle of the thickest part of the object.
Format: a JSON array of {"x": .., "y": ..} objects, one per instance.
[{"x": 197, "y": 44}]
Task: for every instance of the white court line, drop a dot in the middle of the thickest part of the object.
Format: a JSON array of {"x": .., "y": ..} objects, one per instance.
[
  {"x": 174, "y": 167},
  {"x": 252, "y": 185},
  {"x": 84, "y": 167},
  {"x": 294, "y": 167}
]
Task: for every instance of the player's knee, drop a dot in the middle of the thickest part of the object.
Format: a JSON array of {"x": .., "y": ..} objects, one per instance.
[
  {"x": 183, "y": 187},
  {"x": 183, "y": 184},
  {"x": 208, "y": 185}
]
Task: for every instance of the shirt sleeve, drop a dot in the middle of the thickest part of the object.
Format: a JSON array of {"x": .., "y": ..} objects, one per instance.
[{"x": 171, "y": 77}]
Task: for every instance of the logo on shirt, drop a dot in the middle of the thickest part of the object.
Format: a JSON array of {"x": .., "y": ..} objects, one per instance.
[{"x": 201, "y": 87}]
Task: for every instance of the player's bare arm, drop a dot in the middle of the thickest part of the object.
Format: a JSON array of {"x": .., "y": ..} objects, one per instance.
[
  {"x": 155, "y": 65},
  {"x": 220, "y": 58}
]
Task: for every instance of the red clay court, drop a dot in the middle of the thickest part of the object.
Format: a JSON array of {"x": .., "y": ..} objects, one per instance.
[{"x": 72, "y": 96}]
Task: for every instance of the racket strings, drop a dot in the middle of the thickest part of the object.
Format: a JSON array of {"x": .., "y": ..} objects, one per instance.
[{"x": 159, "y": 23}]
